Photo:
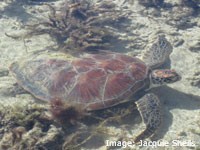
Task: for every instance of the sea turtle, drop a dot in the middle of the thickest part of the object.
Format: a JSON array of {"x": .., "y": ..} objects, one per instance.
[{"x": 101, "y": 80}]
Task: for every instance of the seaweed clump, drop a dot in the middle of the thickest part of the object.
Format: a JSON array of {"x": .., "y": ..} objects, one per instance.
[
  {"x": 82, "y": 25},
  {"x": 30, "y": 126},
  {"x": 65, "y": 113},
  {"x": 22, "y": 125}
]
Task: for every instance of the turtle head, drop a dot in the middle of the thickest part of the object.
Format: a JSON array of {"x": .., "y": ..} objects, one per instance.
[{"x": 164, "y": 76}]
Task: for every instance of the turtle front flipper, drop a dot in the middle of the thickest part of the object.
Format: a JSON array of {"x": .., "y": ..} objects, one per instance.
[
  {"x": 158, "y": 53},
  {"x": 149, "y": 108}
]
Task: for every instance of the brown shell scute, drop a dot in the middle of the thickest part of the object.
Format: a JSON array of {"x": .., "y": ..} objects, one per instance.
[
  {"x": 96, "y": 80},
  {"x": 88, "y": 86},
  {"x": 62, "y": 83},
  {"x": 112, "y": 65},
  {"x": 138, "y": 70},
  {"x": 84, "y": 64},
  {"x": 126, "y": 58},
  {"x": 117, "y": 84}
]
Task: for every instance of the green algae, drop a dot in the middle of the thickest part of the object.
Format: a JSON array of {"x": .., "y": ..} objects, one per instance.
[{"x": 20, "y": 115}]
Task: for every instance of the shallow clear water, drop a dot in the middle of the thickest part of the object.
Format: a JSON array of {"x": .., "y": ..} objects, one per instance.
[{"x": 130, "y": 27}]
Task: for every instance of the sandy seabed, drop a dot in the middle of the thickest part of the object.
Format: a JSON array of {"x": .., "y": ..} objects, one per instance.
[{"x": 180, "y": 24}]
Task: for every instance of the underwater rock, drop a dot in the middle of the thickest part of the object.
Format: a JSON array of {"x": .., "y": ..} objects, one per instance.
[
  {"x": 40, "y": 135},
  {"x": 178, "y": 42},
  {"x": 180, "y": 17},
  {"x": 194, "y": 46},
  {"x": 195, "y": 4},
  {"x": 3, "y": 72},
  {"x": 195, "y": 80},
  {"x": 51, "y": 140},
  {"x": 151, "y": 3}
]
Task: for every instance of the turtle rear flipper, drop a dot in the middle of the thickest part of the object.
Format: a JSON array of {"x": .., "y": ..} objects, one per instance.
[
  {"x": 158, "y": 53},
  {"x": 149, "y": 108}
]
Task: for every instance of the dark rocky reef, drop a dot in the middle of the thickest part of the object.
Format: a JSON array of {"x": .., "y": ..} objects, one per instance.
[
  {"x": 195, "y": 4},
  {"x": 151, "y": 3}
]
